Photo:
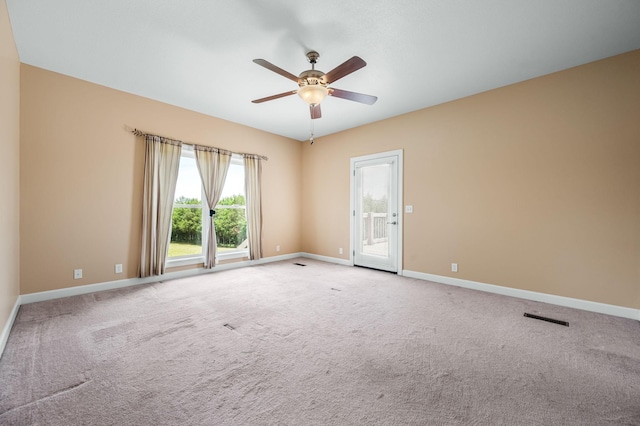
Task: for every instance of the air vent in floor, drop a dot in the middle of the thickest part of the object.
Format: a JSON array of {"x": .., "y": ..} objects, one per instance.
[{"x": 541, "y": 318}]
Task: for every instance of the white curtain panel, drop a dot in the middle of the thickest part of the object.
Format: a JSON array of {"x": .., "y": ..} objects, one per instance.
[
  {"x": 213, "y": 164},
  {"x": 253, "y": 182},
  {"x": 162, "y": 160}
]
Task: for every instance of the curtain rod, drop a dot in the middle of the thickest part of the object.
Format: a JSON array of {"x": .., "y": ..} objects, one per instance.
[{"x": 138, "y": 132}]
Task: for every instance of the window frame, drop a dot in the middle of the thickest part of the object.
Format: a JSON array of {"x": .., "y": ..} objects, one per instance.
[
  {"x": 236, "y": 159},
  {"x": 186, "y": 260}
]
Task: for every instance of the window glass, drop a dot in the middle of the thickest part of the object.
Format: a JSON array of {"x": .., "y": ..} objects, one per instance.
[
  {"x": 231, "y": 218},
  {"x": 186, "y": 220},
  {"x": 190, "y": 218}
]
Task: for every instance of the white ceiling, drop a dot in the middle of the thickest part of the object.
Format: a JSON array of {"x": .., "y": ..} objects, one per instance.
[{"x": 197, "y": 54}]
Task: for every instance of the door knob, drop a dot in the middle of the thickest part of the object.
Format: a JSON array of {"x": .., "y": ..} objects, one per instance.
[{"x": 392, "y": 223}]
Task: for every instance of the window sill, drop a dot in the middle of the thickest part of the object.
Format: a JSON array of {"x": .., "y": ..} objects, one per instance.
[
  {"x": 186, "y": 261},
  {"x": 233, "y": 255}
]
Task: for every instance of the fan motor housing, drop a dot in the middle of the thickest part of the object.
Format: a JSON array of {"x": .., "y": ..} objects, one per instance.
[
  {"x": 310, "y": 77},
  {"x": 313, "y": 83}
]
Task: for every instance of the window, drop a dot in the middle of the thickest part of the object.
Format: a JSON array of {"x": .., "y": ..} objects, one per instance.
[{"x": 190, "y": 218}]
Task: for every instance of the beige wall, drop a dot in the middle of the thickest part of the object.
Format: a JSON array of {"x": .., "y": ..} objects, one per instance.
[
  {"x": 81, "y": 177},
  {"x": 9, "y": 168},
  {"x": 534, "y": 186}
]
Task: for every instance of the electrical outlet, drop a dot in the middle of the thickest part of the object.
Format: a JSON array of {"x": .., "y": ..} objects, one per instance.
[
  {"x": 277, "y": 248},
  {"x": 77, "y": 274},
  {"x": 118, "y": 268},
  {"x": 340, "y": 250},
  {"x": 454, "y": 267}
]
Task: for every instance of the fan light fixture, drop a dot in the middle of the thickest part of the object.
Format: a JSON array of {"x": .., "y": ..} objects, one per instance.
[
  {"x": 313, "y": 83},
  {"x": 313, "y": 94}
]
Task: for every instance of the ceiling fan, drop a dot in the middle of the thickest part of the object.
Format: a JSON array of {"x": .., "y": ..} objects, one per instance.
[{"x": 313, "y": 83}]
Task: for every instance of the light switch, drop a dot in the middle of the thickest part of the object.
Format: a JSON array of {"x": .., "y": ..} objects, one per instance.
[{"x": 408, "y": 209}]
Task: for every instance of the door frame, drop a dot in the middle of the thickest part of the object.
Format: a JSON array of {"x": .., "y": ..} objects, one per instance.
[{"x": 352, "y": 227}]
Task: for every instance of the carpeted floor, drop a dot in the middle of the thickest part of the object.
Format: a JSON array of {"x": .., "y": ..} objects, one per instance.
[{"x": 323, "y": 344}]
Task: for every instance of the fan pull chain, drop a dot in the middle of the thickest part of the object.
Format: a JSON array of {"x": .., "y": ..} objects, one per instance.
[{"x": 311, "y": 132}]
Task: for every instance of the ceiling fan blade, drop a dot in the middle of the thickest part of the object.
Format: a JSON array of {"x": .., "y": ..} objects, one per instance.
[
  {"x": 272, "y": 97},
  {"x": 353, "y": 96},
  {"x": 346, "y": 68},
  {"x": 268, "y": 65},
  {"x": 315, "y": 111}
]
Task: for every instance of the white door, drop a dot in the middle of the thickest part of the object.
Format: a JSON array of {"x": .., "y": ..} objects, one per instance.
[{"x": 376, "y": 219}]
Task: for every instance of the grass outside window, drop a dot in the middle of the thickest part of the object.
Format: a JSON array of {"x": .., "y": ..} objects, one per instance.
[{"x": 184, "y": 249}]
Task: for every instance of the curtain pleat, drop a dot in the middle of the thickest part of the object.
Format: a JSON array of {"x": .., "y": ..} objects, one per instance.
[
  {"x": 213, "y": 164},
  {"x": 252, "y": 181},
  {"x": 162, "y": 161}
]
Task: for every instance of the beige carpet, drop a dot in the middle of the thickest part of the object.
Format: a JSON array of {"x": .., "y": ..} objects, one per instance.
[{"x": 323, "y": 344}]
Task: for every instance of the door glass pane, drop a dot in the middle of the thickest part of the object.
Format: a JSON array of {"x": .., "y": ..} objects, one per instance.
[{"x": 374, "y": 202}]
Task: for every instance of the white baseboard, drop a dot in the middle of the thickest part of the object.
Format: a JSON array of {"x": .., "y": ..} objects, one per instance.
[
  {"x": 276, "y": 258},
  {"x": 128, "y": 282},
  {"x": 585, "y": 305},
  {"x": 4, "y": 336},
  {"x": 327, "y": 259},
  {"x": 111, "y": 285}
]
